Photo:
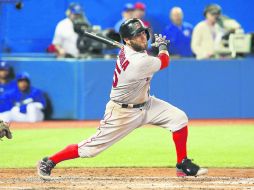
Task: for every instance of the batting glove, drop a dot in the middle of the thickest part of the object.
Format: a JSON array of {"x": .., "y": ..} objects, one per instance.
[{"x": 160, "y": 42}]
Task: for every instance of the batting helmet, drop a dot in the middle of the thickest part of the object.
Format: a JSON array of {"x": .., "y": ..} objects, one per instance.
[{"x": 132, "y": 27}]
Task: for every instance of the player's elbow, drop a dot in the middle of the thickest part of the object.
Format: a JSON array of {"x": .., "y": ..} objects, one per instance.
[{"x": 164, "y": 58}]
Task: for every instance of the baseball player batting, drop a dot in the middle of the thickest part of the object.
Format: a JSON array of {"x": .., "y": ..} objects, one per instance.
[{"x": 131, "y": 105}]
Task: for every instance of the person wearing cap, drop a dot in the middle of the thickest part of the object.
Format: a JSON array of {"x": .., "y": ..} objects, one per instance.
[
  {"x": 28, "y": 102},
  {"x": 65, "y": 37},
  {"x": 6, "y": 77},
  {"x": 7, "y": 84},
  {"x": 179, "y": 34},
  {"x": 127, "y": 13},
  {"x": 139, "y": 12},
  {"x": 207, "y": 34}
]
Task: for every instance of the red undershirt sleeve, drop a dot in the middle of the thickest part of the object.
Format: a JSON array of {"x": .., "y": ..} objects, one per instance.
[{"x": 164, "y": 60}]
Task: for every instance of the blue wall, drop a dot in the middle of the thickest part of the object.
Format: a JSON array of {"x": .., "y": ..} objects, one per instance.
[
  {"x": 31, "y": 29},
  {"x": 203, "y": 89}
]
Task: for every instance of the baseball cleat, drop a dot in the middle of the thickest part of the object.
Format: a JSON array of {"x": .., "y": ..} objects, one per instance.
[
  {"x": 188, "y": 168},
  {"x": 44, "y": 168}
]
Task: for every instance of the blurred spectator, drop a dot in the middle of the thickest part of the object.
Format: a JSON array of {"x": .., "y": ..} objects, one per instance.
[
  {"x": 139, "y": 12},
  {"x": 179, "y": 33},
  {"x": 7, "y": 84},
  {"x": 127, "y": 13},
  {"x": 233, "y": 33},
  {"x": 65, "y": 38},
  {"x": 28, "y": 102},
  {"x": 207, "y": 34},
  {"x": 6, "y": 77}
]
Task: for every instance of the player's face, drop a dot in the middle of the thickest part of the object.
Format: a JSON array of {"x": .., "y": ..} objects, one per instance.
[
  {"x": 75, "y": 16},
  {"x": 23, "y": 85},
  {"x": 139, "y": 13},
  {"x": 128, "y": 14},
  {"x": 4, "y": 74},
  {"x": 212, "y": 18},
  {"x": 176, "y": 17},
  {"x": 138, "y": 42}
]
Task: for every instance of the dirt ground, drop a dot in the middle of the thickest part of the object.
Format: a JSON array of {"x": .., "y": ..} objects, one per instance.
[{"x": 126, "y": 179}]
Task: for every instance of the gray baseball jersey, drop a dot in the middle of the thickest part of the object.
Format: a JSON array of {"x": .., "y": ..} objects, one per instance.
[{"x": 132, "y": 76}]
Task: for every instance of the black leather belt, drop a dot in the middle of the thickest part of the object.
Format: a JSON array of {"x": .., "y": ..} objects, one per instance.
[{"x": 132, "y": 105}]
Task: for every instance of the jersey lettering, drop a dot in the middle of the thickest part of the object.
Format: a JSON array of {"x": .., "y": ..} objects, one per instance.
[
  {"x": 115, "y": 80},
  {"x": 123, "y": 63},
  {"x": 118, "y": 69}
]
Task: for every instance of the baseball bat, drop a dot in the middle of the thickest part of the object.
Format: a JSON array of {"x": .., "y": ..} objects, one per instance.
[{"x": 103, "y": 39}]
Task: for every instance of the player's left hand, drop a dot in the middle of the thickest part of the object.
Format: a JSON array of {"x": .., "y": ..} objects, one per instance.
[
  {"x": 5, "y": 130},
  {"x": 160, "y": 40}
]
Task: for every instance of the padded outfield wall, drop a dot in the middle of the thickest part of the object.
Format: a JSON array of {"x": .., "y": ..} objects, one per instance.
[{"x": 79, "y": 89}]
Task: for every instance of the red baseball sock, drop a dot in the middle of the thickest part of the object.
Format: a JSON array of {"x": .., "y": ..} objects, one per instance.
[
  {"x": 70, "y": 152},
  {"x": 180, "y": 139}
]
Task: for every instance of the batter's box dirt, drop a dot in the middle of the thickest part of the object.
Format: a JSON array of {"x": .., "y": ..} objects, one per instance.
[{"x": 125, "y": 179}]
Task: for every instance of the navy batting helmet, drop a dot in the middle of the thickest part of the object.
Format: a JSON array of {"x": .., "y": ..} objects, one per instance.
[{"x": 132, "y": 27}]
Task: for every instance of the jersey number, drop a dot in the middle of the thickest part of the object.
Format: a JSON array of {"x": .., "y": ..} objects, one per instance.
[{"x": 118, "y": 72}]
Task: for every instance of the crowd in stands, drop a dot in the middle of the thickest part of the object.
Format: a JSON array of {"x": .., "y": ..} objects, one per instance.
[
  {"x": 19, "y": 100},
  {"x": 201, "y": 41}
]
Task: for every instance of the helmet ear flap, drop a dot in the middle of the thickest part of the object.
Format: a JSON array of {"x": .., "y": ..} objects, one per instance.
[{"x": 147, "y": 34}]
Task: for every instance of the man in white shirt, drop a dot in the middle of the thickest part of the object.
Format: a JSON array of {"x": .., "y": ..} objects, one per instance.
[
  {"x": 207, "y": 34},
  {"x": 65, "y": 38}
]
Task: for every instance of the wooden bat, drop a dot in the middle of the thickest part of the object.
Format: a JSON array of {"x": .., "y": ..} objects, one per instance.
[{"x": 103, "y": 39}]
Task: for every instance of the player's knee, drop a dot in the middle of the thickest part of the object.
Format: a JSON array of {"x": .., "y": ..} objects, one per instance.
[
  {"x": 34, "y": 119},
  {"x": 184, "y": 117},
  {"x": 88, "y": 153},
  {"x": 35, "y": 116},
  {"x": 94, "y": 154},
  {"x": 31, "y": 107},
  {"x": 181, "y": 118}
]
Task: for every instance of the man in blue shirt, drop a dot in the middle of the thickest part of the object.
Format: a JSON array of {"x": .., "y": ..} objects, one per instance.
[
  {"x": 29, "y": 102},
  {"x": 179, "y": 33},
  {"x": 7, "y": 84},
  {"x": 6, "y": 79},
  {"x": 127, "y": 13}
]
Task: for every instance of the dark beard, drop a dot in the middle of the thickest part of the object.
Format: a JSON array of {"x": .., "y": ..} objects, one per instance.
[{"x": 137, "y": 47}]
